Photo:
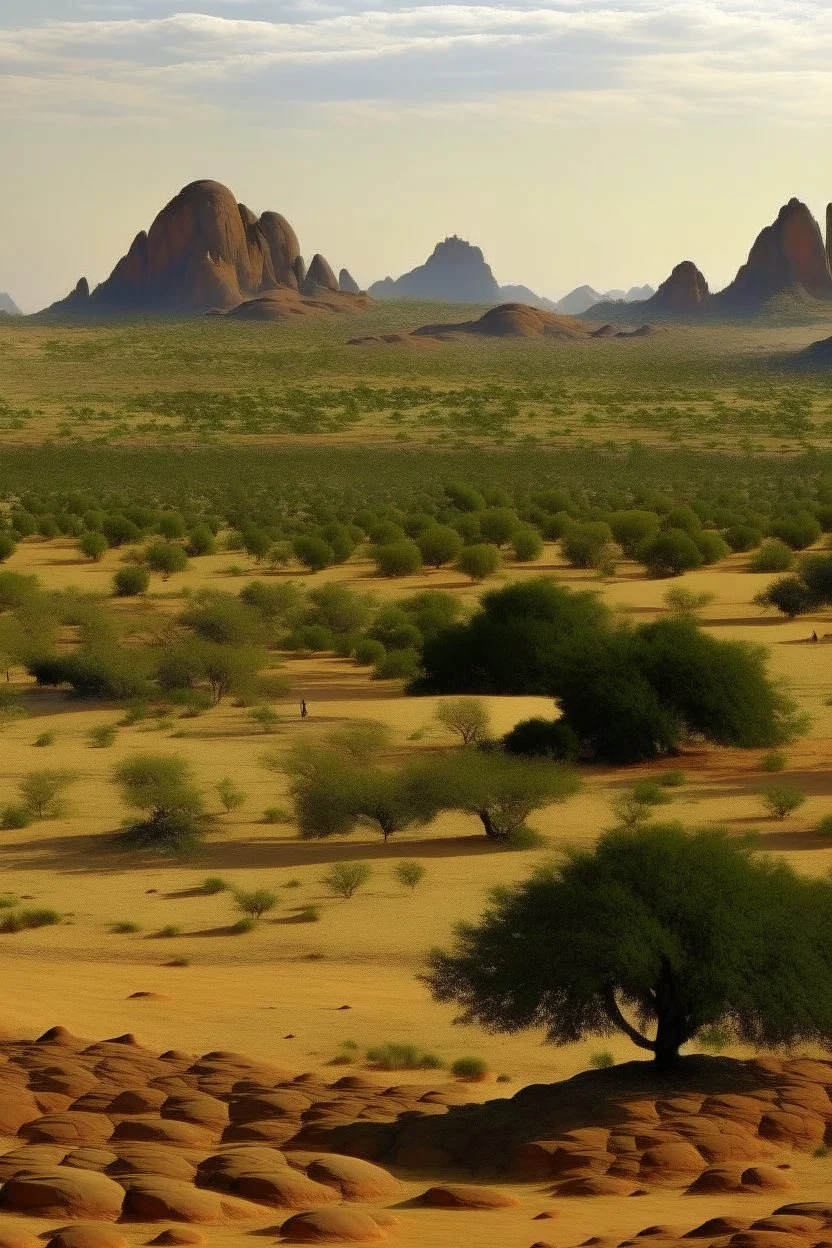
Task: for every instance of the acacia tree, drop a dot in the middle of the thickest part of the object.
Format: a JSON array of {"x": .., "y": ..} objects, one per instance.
[
  {"x": 502, "y": 790},
  {"x": 466, "y": 717},
  {"x": 657, "y": 933}
]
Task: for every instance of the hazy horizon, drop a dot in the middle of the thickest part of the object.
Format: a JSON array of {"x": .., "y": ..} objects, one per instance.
[{"x": 574, "y": 141}]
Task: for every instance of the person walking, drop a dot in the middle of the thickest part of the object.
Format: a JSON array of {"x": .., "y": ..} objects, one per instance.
[{"x": 303, "y": 708}]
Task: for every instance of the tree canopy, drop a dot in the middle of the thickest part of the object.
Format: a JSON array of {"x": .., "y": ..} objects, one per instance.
[{"x": 655, "y": 932}]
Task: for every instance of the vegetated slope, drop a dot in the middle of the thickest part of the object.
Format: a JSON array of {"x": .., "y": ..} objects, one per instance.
[{"x": 516, "y": 320}]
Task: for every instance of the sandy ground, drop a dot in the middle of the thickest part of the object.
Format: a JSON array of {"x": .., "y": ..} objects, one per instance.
[{"x": 278, "y": 992}]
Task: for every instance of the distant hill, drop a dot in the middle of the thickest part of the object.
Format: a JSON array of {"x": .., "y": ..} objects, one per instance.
[
  {"x": 510, "y": 320},
  {"x": 583, "y": 297},
  {"x": 455, "y": 272},
  {"x": 8, "y": 305},
  {"x": 787, "y": 275}
]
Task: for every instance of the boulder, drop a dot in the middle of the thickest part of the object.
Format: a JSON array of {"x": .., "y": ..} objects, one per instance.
[
  {"x": 339, "y": 1226},
  {"x": 179, "y": 1235},
  {"x": 156, "y": 1199},
  {"x": 64, "y": 1192},
  {"x": 464, "y": 1196},
  {"x": 88, "y": 1235},
  {"x": 69, "y": 1128},
  {"x": 353, "y": 1179},
  {"x": 167, "y": 1131}
]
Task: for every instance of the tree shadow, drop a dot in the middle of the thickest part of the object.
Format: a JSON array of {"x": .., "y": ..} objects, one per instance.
[{"x": 102, "y": 853}]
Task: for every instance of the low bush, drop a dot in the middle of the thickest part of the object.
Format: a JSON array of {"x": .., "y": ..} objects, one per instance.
[
  {"x": 602, "y": 1059},
  {"x": 542, "y": 738},
  {"x": 395, "y": 1056},
  {"x": 773, "y": 761},
  {"x": 230, "y": 794},
  {"x": 15, "y": 815},
  {"x": 344, "y": 879},
  {"x": 276, "y": 814},
  {"x": 772, "y": 556},
  {"x": 825, "y": 826},
  {"x": 102, "y": 736},
  {"x": 214, "y": 884},
  {"x": 650, "y": 793},
  {"x": 126, "y": 928},
  {"x": 24, "y": 920},
  {"x": 255, "y": 903},
  {"x": 479, "y": 562},
  {"x": 131, "y": 581},
  {"x": 309, "y": 914},
  {"x": 470, "y": 1069},
  {"x": 246, "y": 924},
  {"x": 672, "y": 779},
  {"x": 409, "y": 874},
  {"x": 169, "y": 931},
  {"x": 45, "y": 738},
  {"x": 782, "y": 800}
]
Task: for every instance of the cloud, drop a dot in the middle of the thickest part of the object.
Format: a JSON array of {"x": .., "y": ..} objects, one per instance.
[{"x": 762, "y": 58}]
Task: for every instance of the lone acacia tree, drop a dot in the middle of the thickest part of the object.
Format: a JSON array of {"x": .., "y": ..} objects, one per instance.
[{"x": 655, "y": 932}]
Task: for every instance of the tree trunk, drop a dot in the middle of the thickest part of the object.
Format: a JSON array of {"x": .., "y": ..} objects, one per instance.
[{"x": 491, "y": 830}]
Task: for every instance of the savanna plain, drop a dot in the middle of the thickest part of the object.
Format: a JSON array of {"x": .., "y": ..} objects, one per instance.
[{"x": 238, "y": 802}]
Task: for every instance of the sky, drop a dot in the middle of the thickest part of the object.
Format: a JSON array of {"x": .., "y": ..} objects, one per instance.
[{"x": 597, "y": 141}]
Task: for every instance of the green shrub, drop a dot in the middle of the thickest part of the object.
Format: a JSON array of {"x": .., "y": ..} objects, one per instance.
[
  {"x": 344, "y": 879},
  {"x": 265, "y": 717},
  {"x": 179, "y": 962},
  {"x": 130, "y": 581},
  {"x": 276, "y": 814},
  {"x": 92, "y": 545},
  {"x": 670, "y": 554},
  {"x": 439, "y": 544},
  {"x": 24, "y": 920},
  {"x": 409, "y": 874},
  {"x": 479, "y": 561},
  {"x": 309, "y": 914},
  {"x": 542, "y": 738},
  {"x": 466, "y": 718},
  {"x": 402, "y": 558},
  {"x": 255, "y": 903},
  {"x": 395, "y": 1056},
  {"x": 170, "y": 930},
  {"x": 214, "y": 884},
  {"x": 160, "y": 786},
  {"x": 8, "y": 901},
  {"x": 825, "y": 826},
  {"x": 15, "y": 815},
  {"x": 246, "y": 924},
  {"x": 102, "y": 736},
  {"x": 470, "y": 1069},
  {"x": 672, "y": 779},
  {"x": 231, "y": 795},
  {"x": 166, "y": 558},
  {"x": 782, "y": 800},
  {"x": 775, "y": 760},
  {"x": 772, "y": 556},
  {"x": 524, "y": 837},
  {"x": 42, "y": 791},
  {"x": 601, "y": 1059},
  {"x": 313, "y": 552},
  {"x": 293, "y": 883},
  {"x": 368, "y": 653},
  {"x": 650, "y": 793},
  {"x": 45, "y": 738},
  {"x": 526, "y": 544},
  {"x": 126, "y": 928},
  {"x": 397, "y": 665}
]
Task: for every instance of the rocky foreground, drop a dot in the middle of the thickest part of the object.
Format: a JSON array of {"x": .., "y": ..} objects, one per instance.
[{"x": 111, "y": 1135}]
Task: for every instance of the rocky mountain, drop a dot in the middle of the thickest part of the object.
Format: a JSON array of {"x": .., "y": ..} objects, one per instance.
[
  {"x": 8, "y": 305},
  {"x": 788, "y": 261},
  {"x": 522, "y": 294},
  {"x": 204, "y": 251},
  {"x": 455, "y": 272},
  {"x": 789, "y": 252}
]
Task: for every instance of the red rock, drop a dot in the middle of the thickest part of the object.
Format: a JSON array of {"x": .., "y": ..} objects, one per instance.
[
  {"x": 17, "y": 1237},
  {"x": 332, "y": 1226},
  {"x": 767, "y": 1178},
  {"x": 64, "y": 1192},
  {"x": 789, "y": 252},
  {"x": 154, "y": 1199},
  {"x": 179, "y": 1235},
  {"x": 88, "y": 1235},
  {"x": 353, "y": 1179},
  {"x": 319, "y": 275},
  {"x": 459, "y": 1196},
  {"x": 685, "y": 290}
]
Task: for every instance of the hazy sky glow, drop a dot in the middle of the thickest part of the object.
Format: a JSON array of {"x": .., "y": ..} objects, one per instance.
[{"x": 574, "y": 140}]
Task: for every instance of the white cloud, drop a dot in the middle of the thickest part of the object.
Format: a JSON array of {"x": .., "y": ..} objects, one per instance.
[{"x": 759, "y": 57}]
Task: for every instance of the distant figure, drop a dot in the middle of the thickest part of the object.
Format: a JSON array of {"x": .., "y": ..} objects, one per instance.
[
  {"x": 814, "y": 635},
  {"x": 304, "y": 712}
]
